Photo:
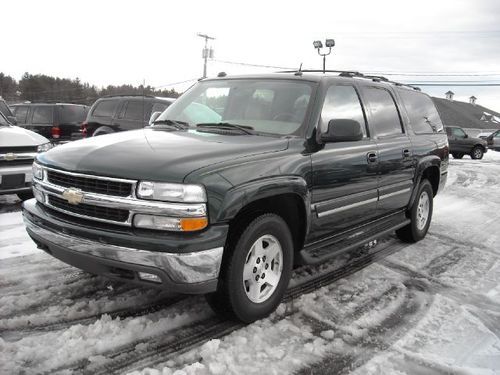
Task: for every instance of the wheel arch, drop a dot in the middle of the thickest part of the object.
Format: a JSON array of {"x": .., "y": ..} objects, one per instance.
[
  {"x": 429, "y": 168},
  {"x": 287, "y": 197}
]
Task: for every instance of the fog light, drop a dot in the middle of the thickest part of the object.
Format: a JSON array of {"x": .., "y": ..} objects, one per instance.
[{"x": 149, "y": 277}]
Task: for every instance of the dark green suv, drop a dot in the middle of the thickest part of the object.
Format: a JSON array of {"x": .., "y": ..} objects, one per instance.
[{"x": 239, "y": 180}]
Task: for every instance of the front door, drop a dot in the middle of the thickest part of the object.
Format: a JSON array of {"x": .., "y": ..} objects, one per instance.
[
  {"x": 395, "y": 152},
  {"x": 344, "y": 173},
  {"x": 458, "y": 140}
]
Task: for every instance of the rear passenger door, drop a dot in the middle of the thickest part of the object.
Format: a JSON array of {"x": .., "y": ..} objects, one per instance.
[
  {"x": 395, "y": 153},
  {"x": 344, "y": 180},
  {"x": 134, "y": 114}
]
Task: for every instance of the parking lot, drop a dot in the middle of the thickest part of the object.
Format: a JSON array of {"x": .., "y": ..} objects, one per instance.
[{"x": 428, "y": 308}]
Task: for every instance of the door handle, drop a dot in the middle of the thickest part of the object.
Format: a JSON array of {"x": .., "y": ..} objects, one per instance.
[
  {"x": 372, "y": 157},
  {"x": 406, "y": 153}
]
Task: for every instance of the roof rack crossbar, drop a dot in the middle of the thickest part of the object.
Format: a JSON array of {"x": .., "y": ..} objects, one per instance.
[{"x": 354, "y": 74}]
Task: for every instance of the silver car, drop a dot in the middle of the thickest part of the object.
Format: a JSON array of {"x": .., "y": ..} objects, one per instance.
[{"x": 18, "y": 148}]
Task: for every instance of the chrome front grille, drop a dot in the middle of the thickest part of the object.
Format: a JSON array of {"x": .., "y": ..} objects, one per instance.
[
  {"x": 103, "y": 199},
  {"x": 104, "y": 213},
  {"x": 94, "y": 185},
  {"x": 14, "y": 156}
]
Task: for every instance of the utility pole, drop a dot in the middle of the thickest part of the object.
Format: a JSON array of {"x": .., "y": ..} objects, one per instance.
[{"x": 207, "y": 53}]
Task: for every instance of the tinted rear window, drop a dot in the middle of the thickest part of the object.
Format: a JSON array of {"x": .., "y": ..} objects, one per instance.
[
  {"x": 423, "y": 115},
  {"x": 384, "y": 114},
  {"x": 42, "y": 115},
  {"x": 72, "y": 113},
  {"x": 105, "y": 108},
  {"x": 20, "y": 113},
  {"x": 137, "y": 110},
  {"x": 159, "y": 107}
]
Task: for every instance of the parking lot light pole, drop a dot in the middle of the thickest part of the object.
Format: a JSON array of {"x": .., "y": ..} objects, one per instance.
[
  {"x": 329, "y": 43},
  {"x": 206, "y": 52}
]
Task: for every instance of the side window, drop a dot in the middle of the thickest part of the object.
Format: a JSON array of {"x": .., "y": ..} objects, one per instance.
[
  {"x": 384, "y": 117},
  {"x": 42, "y": 115},
  {"x": 423, "y": 115},
  {"x": 342, "y": 102},
  {"x": 159, "y": 107},
  {"x": 105, "y": 108},
  {"x": 137, "y": 110},
  {"x": 497, "y": 135},
  {"x": 20, "y": 113},
  {"x": 458, "y": 132}
]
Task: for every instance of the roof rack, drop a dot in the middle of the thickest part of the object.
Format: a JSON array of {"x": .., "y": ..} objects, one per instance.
[
  {"x": 354, "y": 74},
  {"x": 113, "y": 95}
]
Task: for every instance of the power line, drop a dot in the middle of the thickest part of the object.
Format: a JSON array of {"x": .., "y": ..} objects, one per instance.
[
  {"x": 175, "y": 83},
  {"x": 253, "y": 65},
  {"x": 456, "y": 84}
]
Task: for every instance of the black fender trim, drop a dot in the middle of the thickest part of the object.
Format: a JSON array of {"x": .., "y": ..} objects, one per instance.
[
  {"x": 429, "y": 161},
  {"x": 242, "y": 195}
]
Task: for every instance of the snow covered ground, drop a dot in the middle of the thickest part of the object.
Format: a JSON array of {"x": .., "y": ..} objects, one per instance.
[{"x": 428, "y": 308}]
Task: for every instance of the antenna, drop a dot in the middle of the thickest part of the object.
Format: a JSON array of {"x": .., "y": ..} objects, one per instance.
[
  {"x": 299, "y": 72},
  {"x": 143, "y": 94}
]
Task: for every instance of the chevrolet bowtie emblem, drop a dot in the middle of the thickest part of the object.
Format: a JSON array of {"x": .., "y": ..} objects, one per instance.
[
  {"x": 10, "y": 156},
  {"x": 73, "y": 196}
]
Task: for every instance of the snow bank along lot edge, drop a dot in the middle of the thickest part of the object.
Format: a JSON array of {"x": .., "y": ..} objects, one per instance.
[{"x": 432, "y": 307}]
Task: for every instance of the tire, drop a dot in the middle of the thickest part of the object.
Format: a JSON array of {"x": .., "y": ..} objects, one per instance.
[
  {"x": 25, "y": 195},
  {"x": 417, "y": 229},
  {"x": 477, "y": 153},
  {"x": 457, "y": 155},
  {"x": 234, "y": 294}
]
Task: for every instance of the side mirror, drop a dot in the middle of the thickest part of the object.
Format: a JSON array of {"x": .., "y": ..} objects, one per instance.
[
  {"x": 466, "y": 136},
  {"x": 342, "y": 130},
  {"x": 153, "y": 117},
  {"x": 12, "y": 120}
]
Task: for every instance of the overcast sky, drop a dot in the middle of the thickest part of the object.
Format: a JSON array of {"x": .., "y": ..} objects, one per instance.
[{"x": 115, "y": 42}]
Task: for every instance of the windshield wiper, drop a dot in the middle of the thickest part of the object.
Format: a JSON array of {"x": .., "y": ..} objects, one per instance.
[
  {"x": 179, "y": 125},
  {"x": 226, "y": 125}
]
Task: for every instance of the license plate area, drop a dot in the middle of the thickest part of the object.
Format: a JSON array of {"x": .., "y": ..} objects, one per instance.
[{"x": 13, "y": 181}]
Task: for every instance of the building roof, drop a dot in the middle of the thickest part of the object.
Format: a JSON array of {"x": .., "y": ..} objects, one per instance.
[{"x": 466, "y": 115}]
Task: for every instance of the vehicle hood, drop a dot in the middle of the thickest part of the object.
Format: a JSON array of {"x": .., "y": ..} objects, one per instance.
[
  {"x": 14, "y": 136},
  {"x": 159, "y": 155}
]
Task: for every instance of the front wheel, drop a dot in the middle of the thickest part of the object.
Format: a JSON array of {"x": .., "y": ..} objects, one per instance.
[
  {"x": 256, "y": 271},
  {"x": 477, "y": 153},
  {"x": 420, "y": 215}
]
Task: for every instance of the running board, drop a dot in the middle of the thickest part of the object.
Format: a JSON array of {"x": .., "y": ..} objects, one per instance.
[{"x": 315, "y": 254}]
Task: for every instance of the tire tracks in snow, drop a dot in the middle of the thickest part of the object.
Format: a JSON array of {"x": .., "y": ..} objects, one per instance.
[
  {"x": 374, "y": 339},
  {"x": 160, "y": 349}
]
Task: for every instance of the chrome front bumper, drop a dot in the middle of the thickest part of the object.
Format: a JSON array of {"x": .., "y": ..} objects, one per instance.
[{"x": 182, "y": 268}]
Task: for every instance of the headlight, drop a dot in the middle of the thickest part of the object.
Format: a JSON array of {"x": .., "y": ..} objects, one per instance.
[
  {"x": 37, "y": 171},
  {"x": 45, "y": 147},
  {"x": 162, "y": 191},
  {"x": 189, "y": 224}
]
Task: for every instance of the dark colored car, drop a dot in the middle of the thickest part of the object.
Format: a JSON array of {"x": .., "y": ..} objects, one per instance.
[
  {"x": 494, "y": 141},
  {"x": 57, "y": 122},
  {"x": 18, "y": 148},
  {"x": 240, "y": 179},
  {"x": 119, "y": 113},
  {"x": 461, "y": 144},
  {"x": 5, "y": 110}
]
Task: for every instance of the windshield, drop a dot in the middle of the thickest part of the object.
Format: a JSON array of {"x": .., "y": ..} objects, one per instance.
[{"x": 267, "y": 106}]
